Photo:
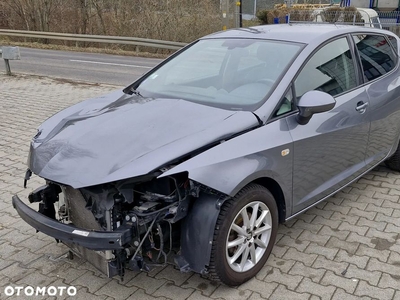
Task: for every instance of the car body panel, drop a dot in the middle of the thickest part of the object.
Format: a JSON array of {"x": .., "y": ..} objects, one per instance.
[
  {"x": 330, "y": 149},
  {"x": 231, "y": 165},
  {"x": 83, "y": 149},
  {"x": 384, "y": 98}
]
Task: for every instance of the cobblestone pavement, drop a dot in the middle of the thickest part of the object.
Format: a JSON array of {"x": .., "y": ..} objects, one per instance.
[{"x": 348, "y": 247}]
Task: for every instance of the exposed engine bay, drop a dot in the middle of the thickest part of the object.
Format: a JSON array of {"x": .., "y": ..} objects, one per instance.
[{"x": 147, "y": 209}]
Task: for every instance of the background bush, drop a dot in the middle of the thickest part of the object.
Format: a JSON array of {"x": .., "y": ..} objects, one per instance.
[{"x": 174, "y": 20}]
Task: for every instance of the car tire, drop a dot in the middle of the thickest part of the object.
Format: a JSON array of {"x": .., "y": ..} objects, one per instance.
[
  {"x": 238, "y": 251},
  {"x": 393, "y": 162}
]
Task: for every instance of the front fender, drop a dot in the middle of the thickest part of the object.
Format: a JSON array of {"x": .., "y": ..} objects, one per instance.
[{"x": 265, "y": 152}]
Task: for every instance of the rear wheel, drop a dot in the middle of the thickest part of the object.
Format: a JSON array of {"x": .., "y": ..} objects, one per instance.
[
  {"x": 393, "y": 162},
  {"x": 244, "y": 235}
]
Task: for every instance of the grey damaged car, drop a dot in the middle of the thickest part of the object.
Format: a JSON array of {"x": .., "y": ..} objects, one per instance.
[{"x": 199, "y": 160}]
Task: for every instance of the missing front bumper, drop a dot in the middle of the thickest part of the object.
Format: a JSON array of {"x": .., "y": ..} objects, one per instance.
[{"x": 94, "y": 240}]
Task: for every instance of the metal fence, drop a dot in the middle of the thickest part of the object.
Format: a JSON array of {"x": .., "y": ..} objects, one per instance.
[
  {"x": 251, "y": 7},
  {"x": 389, "y": 18},
  {"x": 384, "y": 20}
]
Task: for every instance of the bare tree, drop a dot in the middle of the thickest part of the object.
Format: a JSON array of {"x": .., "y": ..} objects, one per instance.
[
  {"x": 35, "y": 14},
  {"x": 179, "y": 20}
]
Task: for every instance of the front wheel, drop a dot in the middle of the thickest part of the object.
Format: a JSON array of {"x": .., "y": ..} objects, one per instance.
[{"x": 244, "y": 235}]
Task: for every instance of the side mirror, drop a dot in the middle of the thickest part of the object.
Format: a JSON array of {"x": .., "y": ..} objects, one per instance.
[{"x": 313, "y": 102}]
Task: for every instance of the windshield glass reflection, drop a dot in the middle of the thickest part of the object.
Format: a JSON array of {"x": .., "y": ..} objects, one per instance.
[{"x": 227, "y": 73}]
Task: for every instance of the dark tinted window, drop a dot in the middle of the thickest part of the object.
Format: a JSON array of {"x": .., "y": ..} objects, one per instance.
[
  {"x": 376, "y": 55},
  {"x": 329, "y": 70}
]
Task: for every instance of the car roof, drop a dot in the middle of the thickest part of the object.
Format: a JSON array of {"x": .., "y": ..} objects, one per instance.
[{"x": 299, "y": 33}]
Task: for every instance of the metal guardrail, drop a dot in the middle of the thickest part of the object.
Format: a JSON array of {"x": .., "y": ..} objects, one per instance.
[{"x": 94, "y": 38}]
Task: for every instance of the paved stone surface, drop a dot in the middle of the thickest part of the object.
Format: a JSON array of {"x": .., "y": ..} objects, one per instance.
[{"x": 347, "y": 247}]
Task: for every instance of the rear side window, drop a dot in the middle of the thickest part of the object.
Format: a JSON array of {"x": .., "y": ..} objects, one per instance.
[
  {"x": 376, "y": 55},
  {"x": 393, "y": 41}
]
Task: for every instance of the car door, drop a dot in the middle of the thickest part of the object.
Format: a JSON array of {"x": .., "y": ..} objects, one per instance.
[
  {"x": 330, "y": 150},
  {"x": 379, "y": 62}
]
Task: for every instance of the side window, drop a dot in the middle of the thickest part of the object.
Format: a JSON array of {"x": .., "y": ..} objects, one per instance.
[
  {"x": 377, "y": 57},
  {"x": 286, "y": 104},
  {"x": 329, "y": 70},
  {"x": 393, "y": 41}
]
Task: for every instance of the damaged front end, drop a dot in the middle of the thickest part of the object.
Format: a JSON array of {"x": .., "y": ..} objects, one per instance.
[
  {"x": 122, "y": 199},
  {"x": 134, "y": 223}
]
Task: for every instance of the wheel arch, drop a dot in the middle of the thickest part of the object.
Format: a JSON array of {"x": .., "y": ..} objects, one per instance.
[
  {"x": 196, "y": 239},
  {"x": 276, "y": 191},
  {"x": 274, "y": 183}
]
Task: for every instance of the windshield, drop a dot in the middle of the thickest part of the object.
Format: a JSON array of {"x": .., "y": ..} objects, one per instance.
[{"x": 228, "y": 73}]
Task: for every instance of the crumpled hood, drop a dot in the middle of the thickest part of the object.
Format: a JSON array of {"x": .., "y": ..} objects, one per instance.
[{"x": 120, "y": 136}]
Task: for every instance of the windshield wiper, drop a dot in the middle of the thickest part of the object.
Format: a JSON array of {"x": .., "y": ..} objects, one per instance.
[
  {"x": 131, "y": 90},
  {"x": 136, "y": 92}
]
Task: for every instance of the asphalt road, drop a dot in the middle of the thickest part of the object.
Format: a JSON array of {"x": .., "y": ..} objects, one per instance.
[{"x": 80, "y": 66}]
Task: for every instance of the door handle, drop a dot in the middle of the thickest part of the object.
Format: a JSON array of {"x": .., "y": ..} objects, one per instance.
[{"x": 361, "y": 106}]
